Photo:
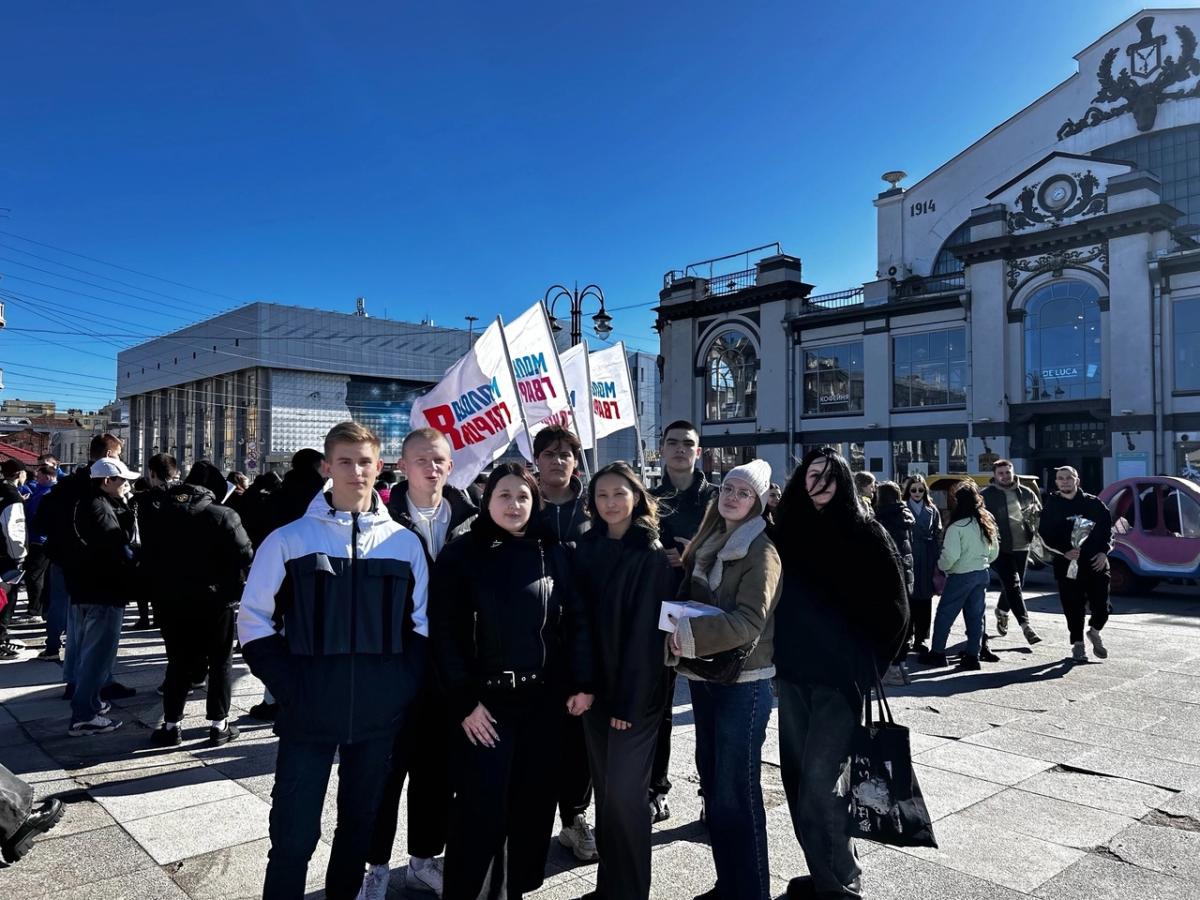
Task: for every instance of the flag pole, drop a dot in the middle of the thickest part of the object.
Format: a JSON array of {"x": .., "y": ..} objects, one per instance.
[
  {"x": 637, "y": 420},
  {"x": 562, "y": 379},
  {"x": 508, "y": 361},
  {"x": 591, "y": 409}
]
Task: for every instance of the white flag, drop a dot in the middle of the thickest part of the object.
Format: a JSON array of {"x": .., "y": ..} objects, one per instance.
[
  {"x": 475, "y": 406},
  {"x": 575, "y": 373},
  {"x": 612, "y": 396},
  {"x": 537, "y": 374}
]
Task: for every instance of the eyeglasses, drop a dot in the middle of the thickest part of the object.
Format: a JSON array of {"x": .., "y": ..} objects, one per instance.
[
  {"x": 916, "y": 490},
  {"x": 729, "y": 490}
]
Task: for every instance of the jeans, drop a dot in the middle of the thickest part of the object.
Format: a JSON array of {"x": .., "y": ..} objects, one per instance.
[
  {"x": 816, "y": 725},
  {"x": 621, "y": 762},
  {"x": 1078, "y": 595},
  {"x": 56, "y": 605},
  {"x": 965, "y": 592},
  {"x": 97, "y": 630},
  {"x": 731, "y": 726},
  {"x": 1010, "y": 569},
  {"x": 301, "y": 778}
]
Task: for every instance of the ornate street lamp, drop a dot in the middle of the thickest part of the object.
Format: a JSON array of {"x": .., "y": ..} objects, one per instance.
[{"x": 602, "y": 320}]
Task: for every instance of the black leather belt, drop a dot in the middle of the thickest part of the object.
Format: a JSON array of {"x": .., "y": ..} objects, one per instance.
[{"x": 510, "y": 681}]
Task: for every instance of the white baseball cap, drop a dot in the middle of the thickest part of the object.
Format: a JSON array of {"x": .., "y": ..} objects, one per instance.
[{"x": 113, "y": 468}]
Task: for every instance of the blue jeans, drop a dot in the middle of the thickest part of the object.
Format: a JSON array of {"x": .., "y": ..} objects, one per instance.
[
  {"x": 965, "y": 593},
  {"x": 56, "y": 606},
  {"x": 96, "y": 632},
  {"x": 731, "y": 726}
]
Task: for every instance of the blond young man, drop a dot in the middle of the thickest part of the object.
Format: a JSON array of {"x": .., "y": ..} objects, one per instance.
[{"x": 333, "y": 620}]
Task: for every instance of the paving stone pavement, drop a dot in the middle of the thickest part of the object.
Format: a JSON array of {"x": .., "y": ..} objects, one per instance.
[{"x": 1046, "y": 780}]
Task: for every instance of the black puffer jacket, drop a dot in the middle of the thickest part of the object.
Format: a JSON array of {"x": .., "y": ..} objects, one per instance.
[
  {"x": 680, "y": 512},
  {"x": 898, "y": 521},
  {"x": 107, "y": 529},
  {"x": 624, "y": 583},
  {"x": 256, "y": 507},
  {"x": 192, "y": 547},
  {"x": 295, "y": 494},
  {"x": 56, "y": 518},
  {"x": 499, "y": 603},
  {"x": 568, "y": 521}
]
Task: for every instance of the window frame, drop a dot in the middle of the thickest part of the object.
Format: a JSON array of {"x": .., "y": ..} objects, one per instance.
[
  {"x": 849, "y": 370},
  {"x": 747, "y": 370},
  {"x": 946, "y": 360}
]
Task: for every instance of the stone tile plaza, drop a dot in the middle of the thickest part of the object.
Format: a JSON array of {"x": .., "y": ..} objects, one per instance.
[{"x": 1045, "y": 780}]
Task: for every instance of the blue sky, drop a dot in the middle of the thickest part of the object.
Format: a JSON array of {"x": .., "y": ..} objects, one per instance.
[{"x": 455, "y": 159}]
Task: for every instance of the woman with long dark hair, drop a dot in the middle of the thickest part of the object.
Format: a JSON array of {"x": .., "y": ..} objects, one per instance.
[
  {"x": 731, "y": 564},
  {"x": 512, "y": 645},
  {"x": 926, "y": 544},
  {"x": 624, "y": 576},
  {"x": 972, "y": 541},
  {"x": 841, "y": 618}
]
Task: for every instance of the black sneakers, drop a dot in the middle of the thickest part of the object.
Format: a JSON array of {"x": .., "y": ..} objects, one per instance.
[
  {"x": 219, "y": 736},
  {"x": 968, "y": 662},
  {"x": 987, "y": 655},
  {"x": 162, "y": 736}
]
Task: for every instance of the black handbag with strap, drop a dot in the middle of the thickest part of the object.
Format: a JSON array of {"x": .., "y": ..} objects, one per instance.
[
  {"x": 886, "y": 805},
  {"x": 723, "y": 667}
]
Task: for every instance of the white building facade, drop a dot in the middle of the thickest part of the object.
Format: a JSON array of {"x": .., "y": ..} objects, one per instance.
[{"x": 1037, "y": 297}]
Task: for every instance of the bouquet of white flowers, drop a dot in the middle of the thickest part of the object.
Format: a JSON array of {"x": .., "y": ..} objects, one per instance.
[{"x": 1080, "y": 531}]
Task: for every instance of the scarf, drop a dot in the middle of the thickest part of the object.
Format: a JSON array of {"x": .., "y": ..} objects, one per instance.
[{"x": 725, "y": 546}]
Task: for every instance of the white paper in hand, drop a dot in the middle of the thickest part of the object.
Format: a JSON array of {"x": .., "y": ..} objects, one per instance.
[{"x": 688, "y": 610}]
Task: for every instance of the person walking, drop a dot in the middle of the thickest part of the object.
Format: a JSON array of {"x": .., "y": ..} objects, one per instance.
[
  {"x": 842, "y": 616},
  {"x": 334, "y": 621},
  {"x": 970, "y": 545},
  {"x": 1016, "y": 509},
  {"x": 683, "y": 498},
  {"x": 99, "y": 589},
  {"x": 196, "y": 553},
  {"x": 927, "y": 546},
  {"x": 1088, "y": 590},
  {"x": 12, "y": 548},
  {"x": 898, "y": 521},
  {"x": 436, "y": 513},
  {"x": 558, "y": 455},
  {"x": 624, "y": 576},
  {"x": 733, "y": 565},
  {"x": 513, "y": 648}
]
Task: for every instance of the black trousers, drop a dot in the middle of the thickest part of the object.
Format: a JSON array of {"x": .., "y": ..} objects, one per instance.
[
  {"x": 505, "y": 794},
  {"x": 574, "y": 776},
  {"x": 420, "y": 753},
  {"x": 660, "y": 782},
  {"x": 1010, "y": 569},
  {"x": 621, "y": 763},
  {"x": 36, "y": 566},
  {"x": 301, "y": 779},
  {"x": 1087, "y": 593},
  {"x": 198, "y": 638},
  {"x": 16, "y": 799}
]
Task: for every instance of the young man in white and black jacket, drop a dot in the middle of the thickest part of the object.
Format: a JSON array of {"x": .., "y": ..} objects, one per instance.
[
  {"x": 333, "y": 620},
  {"x": 437, "y": 514}
]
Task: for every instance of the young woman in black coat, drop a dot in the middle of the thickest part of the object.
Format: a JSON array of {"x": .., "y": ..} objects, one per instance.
[
  {"x": 512, "y": 645},
  {"x": 897, "y": 519},
  {"x": 840, "y": 620},
  {"x": 624, "y": 576}
]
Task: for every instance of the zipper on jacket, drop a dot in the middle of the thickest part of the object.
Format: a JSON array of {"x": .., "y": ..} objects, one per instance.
[
  {"x": 545, "y": 602},
  {"x": 353, "y": 614},
  {"x": 475, "y": 633}
]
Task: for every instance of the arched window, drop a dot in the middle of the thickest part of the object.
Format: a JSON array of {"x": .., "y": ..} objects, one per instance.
[
  {"x": 731, "y": 378},
  {"x": 1062, "y": 342},
  {"x": 947, "y": 263}
]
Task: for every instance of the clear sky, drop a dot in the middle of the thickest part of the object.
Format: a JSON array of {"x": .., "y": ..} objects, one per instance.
[{"x": 453, "y": 159}]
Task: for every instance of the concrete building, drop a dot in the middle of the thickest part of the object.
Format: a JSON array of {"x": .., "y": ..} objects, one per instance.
[
  {"x": 1037, "y": 297},
  {"x": 249, "y": 388},
  {"x": 27, "y": 408}
]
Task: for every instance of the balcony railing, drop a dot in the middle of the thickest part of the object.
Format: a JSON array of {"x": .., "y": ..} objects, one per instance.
[
  {"x": 718, "y": 284},
  {"x": 933, "y": 284},
  {"x": 836, "y": 300}
]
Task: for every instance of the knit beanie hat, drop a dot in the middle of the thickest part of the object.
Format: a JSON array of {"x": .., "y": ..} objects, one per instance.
[{"x": 756, "y": 473}]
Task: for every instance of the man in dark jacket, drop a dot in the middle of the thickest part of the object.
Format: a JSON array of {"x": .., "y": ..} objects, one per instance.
[
  {"x": 100, "y": 587},
  {"x": 1015, "y": 509},
  {"x": 1088, "y": 590},
  {"x": 437, "y": 514},
  {"x": 558, "y": 455},
  {"x": 683, "y": 497},
  {"x": 334, "y": 621},
  {"x": 196, "y": 553}
]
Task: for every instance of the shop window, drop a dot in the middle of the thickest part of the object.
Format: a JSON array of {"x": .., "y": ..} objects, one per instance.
[
  {"x": 1062, "y": 342},
  {"x": 929, "y": 369},
  {"x": 1185, "y": 323},
  {"x": 912, "y": 457},
  {"x": 833, "y": 379},
  {"x": 852, "y": 451},
  {"x": 730, "y": 387},
  {"x": 719, "y": 460}
]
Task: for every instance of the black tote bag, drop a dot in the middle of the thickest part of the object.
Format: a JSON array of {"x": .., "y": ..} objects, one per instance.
[{"x": 886, "y": 805}]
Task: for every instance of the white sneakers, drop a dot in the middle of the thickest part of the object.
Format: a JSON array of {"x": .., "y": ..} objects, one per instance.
[
  {"x": 422, "y": 875},
  {"x": 375, "y": 883},
  {"x": 579, "y": 838},
  {"x": 1031, "y": 636},
  {"x": 97, "y": 725},
  {"x": 1097, "y": 644},
  {"x": 1001, "y": 622}
]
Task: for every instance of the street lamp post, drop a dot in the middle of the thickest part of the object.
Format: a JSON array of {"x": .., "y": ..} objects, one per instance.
[{"x": 602, "y": 320}]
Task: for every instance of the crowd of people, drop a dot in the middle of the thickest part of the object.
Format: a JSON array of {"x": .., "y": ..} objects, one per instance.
[{"x": 505, "y": 651}]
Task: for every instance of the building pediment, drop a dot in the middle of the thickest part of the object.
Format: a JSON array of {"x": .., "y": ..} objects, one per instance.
[{"x": 1059, "y": 190}]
